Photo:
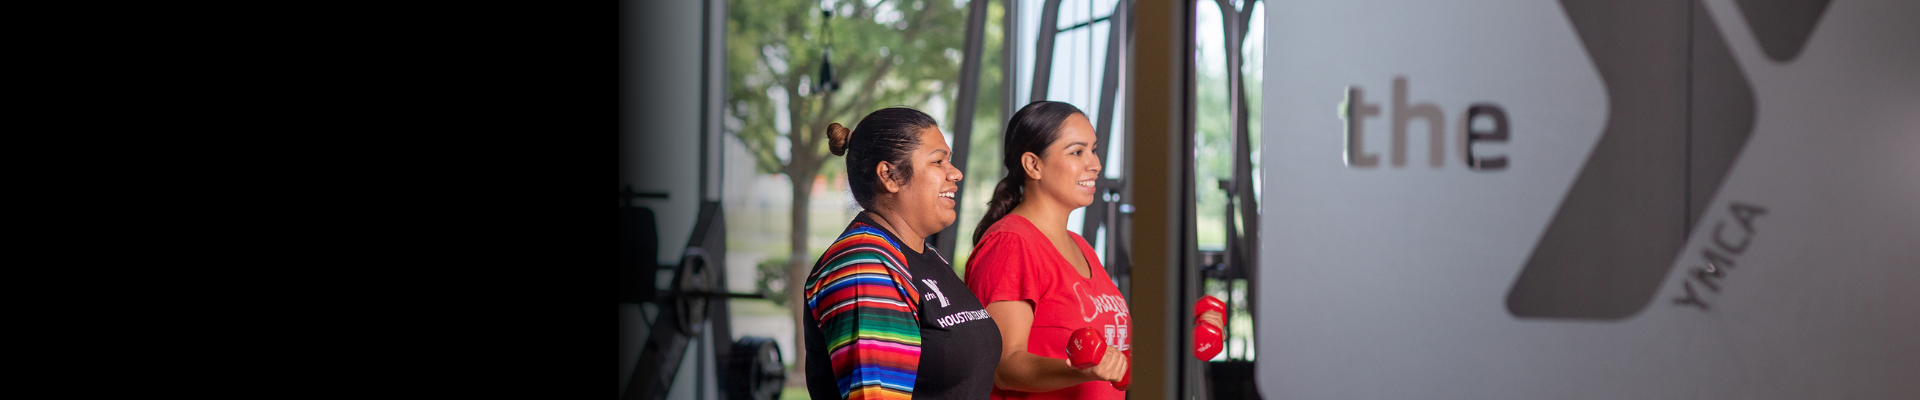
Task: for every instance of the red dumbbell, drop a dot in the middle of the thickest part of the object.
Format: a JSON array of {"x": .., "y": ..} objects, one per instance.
[
  {"x": 1086, "y": 348},
  {"x": 1207, "y": 337},
  {"x": 1206, "y": 341},
  {"x": 1209, "y": 303}
]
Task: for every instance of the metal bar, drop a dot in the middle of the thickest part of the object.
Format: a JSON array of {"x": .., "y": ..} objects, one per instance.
[
  {"x": 1009, "y": 60},
  {"x": 1043, "y": 49},
  {"x": 1084, "y": 24},
  {"x": 1229, "y": 17},
  {"x": 659, "y": 360},
  {"x": 962, "y": 132},
  {"x": 1243, "y": 137},
  {"x": 627, "y": 195},
  {"x": 706, "y": 8},
  {"x": 1189, "y": 244},
  {"x": 1249, "y": 241},
  {"x": 1120, "y": 225},
  {"x": 1193, "y": 376},
  {"x": 1103, "y": 129},
  {"x": 710, "y": 235},
  {"x": 724, "y": 295},
  {"x": 715, "y": 103}
]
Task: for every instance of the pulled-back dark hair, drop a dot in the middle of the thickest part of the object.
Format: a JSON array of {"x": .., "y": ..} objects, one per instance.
[
  {"x": 1030, "y": 130},
  {"x": 890, "y": 135}
]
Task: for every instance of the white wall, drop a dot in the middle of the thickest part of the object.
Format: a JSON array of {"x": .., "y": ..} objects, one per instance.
[{"x": 1396, "y": 282}]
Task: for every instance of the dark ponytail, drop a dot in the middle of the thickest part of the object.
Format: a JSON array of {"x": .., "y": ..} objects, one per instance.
[
  {"x": 890, "y": 135},
  {"x": 1030, "y": 130},
  {"x": 1007, "y": 194}
]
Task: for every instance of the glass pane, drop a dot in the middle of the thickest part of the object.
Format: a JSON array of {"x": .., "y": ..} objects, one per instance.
[
  {"x": 1214, "y": 149},
  {"x": 983, "y": 163},
  {"x": 1254, "y": 71},
  {"x": 1213, "y": 152}
]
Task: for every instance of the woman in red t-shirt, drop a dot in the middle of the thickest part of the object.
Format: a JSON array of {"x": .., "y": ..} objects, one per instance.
[{"x": 1040, "y": 281}]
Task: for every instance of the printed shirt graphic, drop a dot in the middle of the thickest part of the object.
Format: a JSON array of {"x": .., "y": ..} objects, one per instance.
[{"x": 1015, "y": 262}]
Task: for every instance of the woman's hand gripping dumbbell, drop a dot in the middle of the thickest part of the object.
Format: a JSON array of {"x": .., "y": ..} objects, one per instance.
[
  {"x": 1209, "y": 314},
  {"x": 1087, "y": 351}
]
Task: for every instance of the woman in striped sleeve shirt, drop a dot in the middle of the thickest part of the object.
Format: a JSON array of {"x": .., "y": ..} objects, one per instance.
[{"x": 886, "y": 317}]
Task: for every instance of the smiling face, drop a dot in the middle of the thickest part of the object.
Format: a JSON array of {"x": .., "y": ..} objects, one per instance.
[
  {"x": 925, "y": 199},
  {"x": 1067, "y": 172}
]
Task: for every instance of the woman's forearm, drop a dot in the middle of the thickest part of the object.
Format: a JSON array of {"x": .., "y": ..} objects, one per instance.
[{"x": 1028, "y": 372}]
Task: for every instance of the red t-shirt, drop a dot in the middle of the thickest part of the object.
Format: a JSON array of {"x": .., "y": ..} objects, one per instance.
[{"x": 1015, "y": 262}]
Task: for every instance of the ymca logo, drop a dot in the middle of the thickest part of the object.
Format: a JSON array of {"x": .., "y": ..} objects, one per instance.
[
  {"x": 1675, "y": 126},
  {"x": 931, "y": 284}
]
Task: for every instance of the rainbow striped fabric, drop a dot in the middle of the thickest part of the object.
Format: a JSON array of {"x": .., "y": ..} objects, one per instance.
[{"x": 868, "y": 310}]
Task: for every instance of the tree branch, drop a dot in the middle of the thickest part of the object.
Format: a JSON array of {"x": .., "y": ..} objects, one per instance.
[{"x": 763, "y": 155}]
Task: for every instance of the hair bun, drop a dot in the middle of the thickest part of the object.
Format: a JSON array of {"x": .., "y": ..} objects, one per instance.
[{"x": 837, "y": 138}]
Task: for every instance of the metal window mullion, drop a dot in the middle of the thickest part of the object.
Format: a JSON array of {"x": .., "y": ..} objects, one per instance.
[
  {"x": 963, "y": 113},
  {"x": 1109, "y": 87},
  {"x": 1043, "y": 49}
]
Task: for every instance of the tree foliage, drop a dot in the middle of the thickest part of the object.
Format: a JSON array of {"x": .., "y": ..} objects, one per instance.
[{"x": 884, "y": 53}]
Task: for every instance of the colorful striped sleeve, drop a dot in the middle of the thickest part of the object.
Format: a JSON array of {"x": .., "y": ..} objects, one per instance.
[{"x": 867, "y": 308}]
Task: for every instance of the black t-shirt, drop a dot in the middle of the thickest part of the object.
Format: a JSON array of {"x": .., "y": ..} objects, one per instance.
[{"x": 959, "y": 343}]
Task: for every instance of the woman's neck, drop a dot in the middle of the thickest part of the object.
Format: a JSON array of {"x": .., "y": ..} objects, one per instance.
[
  {"x": 893, "y": 224},
  {"x": 1049, "y": 216}
]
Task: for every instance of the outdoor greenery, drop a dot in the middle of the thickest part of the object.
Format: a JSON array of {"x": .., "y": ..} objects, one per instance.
[
  {"x": 771, "y": 279},
  {"x": 1214, "y": 153}
]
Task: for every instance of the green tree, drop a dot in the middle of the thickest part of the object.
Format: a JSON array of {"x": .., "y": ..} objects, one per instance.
[{"x": 884, "y": 53}]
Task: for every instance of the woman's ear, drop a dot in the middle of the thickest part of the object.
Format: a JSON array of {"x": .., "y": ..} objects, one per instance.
[
  {"x": 1031, "y": 163},
  {"x": 885, "y": 175}
]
